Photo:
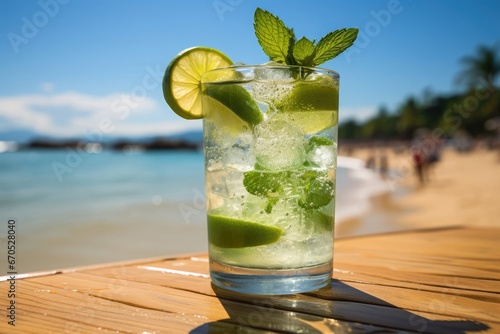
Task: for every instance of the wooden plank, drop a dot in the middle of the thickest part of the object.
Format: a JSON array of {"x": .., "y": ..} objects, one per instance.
[
  {"x": 442, "y": 281},
  {"x": 455, "y": 252},
  {"x": 76, "y": 304},
  {"x": 353, "y": 272},
  {"x": 458, "y": 302},
  {"x": 338, "y": 293}
]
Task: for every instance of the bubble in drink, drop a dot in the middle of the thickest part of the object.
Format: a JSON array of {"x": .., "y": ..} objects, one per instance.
[
  {"x": 279, "y": 145},
  {"x": 272, "y": 85}
]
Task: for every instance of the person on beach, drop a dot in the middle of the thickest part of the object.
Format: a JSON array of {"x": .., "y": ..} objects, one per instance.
[
  {"x": 384, "y": 164},
  {"x": 370, "y": 161},
  {"x": 432, "y": 156},
  {"x": 418, "y": 159},
  {"x": 418, "y": 156},
  {"x": 426, "y": 153}
]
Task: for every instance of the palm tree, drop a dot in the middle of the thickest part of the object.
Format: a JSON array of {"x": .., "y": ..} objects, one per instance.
[
  {"x": 410, "y": 118},
  {"x": 483, "y": 67}
]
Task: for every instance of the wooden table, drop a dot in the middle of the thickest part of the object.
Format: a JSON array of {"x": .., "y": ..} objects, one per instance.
[{"x": 431, "y": 281}]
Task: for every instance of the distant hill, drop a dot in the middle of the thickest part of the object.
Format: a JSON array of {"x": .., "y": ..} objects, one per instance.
[
  {"x": 194, "y": 136},
  {"x": 19, "y": 136},
  {"x": 24, "y": 136}
]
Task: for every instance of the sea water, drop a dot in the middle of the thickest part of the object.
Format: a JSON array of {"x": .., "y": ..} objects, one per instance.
[{"x": 77, "y": 209}]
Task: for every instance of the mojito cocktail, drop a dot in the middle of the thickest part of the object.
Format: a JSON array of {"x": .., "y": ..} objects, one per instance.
[
  {"x": 270, "y": 148},
  {"x": 270, "y": 143}
]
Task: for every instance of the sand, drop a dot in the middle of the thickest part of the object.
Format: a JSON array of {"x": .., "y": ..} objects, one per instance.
[{"x": 462, "y": 189}]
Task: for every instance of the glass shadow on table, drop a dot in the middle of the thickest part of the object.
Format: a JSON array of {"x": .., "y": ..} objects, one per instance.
[{"x": 340, "y": 308}]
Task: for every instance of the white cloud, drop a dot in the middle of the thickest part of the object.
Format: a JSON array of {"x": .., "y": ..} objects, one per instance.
[
  {"x": 360, "y": 114},
  {"x": 75, "y": 114},
  {"x": 42, "y": 113}
]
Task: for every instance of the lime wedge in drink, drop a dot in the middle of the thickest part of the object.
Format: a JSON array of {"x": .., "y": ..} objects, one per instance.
[
  {"x": 316, "y": 141},
  {"x": 181, "y": 82},
  {"x": 218, "y": 113},
  {"x": 311, "y": 96},
  {"x": 238, "y": 100},
  {"x": 236, "y": 233},
  {"x": 309, "y": 122},
  {"x": 312, "y": 106}
]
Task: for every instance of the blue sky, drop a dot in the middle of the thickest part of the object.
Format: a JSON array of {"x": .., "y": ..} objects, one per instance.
[{"x": 91, "y": 68}]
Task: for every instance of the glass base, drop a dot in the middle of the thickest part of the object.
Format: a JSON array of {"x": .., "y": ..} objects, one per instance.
[{"x": 270, "y": 281}]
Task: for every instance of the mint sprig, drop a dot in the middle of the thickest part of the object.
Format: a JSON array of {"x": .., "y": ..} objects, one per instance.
[
  {"x": 265, "y": 184},
  {"x": 275, "y": 38},
  {"x": 279, "y": 42},
  {"x": 317, "y": 190},
  {"x": 304, "y": 51},
  {"x": 313, "y": 187}
]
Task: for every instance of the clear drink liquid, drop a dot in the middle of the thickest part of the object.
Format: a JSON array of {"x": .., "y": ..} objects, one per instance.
[{"x": 270, "y": 158}]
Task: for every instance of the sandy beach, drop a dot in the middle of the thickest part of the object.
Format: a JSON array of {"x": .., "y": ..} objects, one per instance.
[{"x": 462, "y": 189}]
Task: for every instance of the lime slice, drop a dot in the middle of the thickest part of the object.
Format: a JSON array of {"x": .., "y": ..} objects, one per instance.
[
  {"x": 218, "y": 114},
  {"x": 181, "y": 82},
  {"x": 311, "y": 106},
  {"x": 307, "y": 96},
  {"x": 316, "y": 141},
  {"x": 235, "y": 233},
  {"x": 238, "y": 100},
  {"x": 309, "y": 122}
]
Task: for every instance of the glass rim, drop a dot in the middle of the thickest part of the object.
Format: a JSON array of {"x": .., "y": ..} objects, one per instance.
[{"x": 274, "y": 66}]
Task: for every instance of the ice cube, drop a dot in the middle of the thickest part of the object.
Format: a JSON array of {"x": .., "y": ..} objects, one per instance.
[
  {"x": 238, "y": 157},
  {"x": 213, "y": 159},
  {"x": 272, "y": 84},
  {"x": 324, "y": 156},
  {"x": 275, "y": 72},
  {"x": 279, "y": 145}
]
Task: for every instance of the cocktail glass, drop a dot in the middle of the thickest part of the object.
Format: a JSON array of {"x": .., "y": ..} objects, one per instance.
[{"x": 270, "y": 147}]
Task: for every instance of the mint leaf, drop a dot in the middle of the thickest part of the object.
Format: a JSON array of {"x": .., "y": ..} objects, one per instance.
[
  {"x": 275, "y": 38},
  {"x": 271, "y": 202},
  {"x": 333, "y": 44},
  {"x": 316, "y": 141},
  {"x": 263, "y": 183},
  {"x": 313, "y": 188},
  {"x": 279, "y": 43},
  {"x": 304, "y": 52},
  {"x": 318, "y": 191}
]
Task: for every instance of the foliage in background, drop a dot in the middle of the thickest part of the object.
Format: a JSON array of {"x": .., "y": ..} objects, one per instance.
[{"x": 468, "y": 111}]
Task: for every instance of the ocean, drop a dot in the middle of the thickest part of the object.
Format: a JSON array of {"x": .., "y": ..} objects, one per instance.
[{"x": 73, "y": 208}]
